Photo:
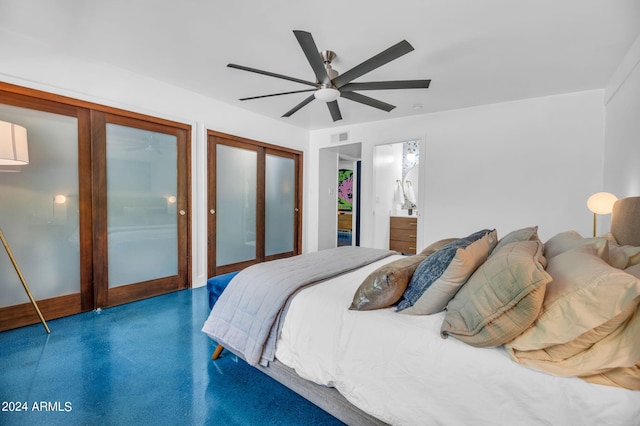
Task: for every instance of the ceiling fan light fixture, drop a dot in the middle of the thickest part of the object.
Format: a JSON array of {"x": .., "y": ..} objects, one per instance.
[{"x": 327, "y": 94}]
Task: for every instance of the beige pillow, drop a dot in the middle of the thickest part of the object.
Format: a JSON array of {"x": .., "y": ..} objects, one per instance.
[
  {"x": 385, "y": 286},
  {"x": 564, "y": 241},
  {"x": 615, "y": 348},
  {"x": 622, "y": 377},
  {"x": 464, "y": 263},
  {"x": 564, "y": 351},
  {"x": 501, "y": 299},
  {"x": 621, "y": 257},
  {"x": 634, "y": 270},
  {"x": 585, "y": 293},
  {"x": 524, "y": 234},
  {"x": 433, "y": 247}
]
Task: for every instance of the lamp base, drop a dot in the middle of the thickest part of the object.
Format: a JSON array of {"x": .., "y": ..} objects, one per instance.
[{"x": 24, "y": 283}]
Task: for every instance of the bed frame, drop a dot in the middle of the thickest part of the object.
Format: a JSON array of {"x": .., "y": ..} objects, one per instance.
[
  {"x": 329, "y": 399},
  {"x": 625, "y": 226}
]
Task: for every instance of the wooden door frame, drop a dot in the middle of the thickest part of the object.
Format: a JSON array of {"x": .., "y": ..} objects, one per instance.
[
  {"x": 10, "y": 94},
  {"x": 213, "y": 138}
]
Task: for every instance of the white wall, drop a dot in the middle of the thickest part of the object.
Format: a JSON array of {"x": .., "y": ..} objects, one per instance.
[
  {"x": 28, "y": 64},
  {"x": 504, "y": 166},
  {"x": 327, "y": 226},
  {"x": 387, "y": 169},
  {"x": 622, "y": 136}
]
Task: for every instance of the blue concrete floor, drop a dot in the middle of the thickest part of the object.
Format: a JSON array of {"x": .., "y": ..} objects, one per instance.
[{"x": 143, "y": 363}]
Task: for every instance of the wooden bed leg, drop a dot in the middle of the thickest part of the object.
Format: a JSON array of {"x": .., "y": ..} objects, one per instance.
[{"x": 217, "y": 352}]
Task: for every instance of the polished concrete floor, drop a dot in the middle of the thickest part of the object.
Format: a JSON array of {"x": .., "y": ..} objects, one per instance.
[{"x": 144, "y": 363}]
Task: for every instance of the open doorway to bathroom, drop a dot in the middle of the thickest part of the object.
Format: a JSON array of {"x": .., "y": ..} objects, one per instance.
[{"x": 396, "y": 216}]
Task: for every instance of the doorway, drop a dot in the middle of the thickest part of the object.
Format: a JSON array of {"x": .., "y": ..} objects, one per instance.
[
  {"x": 396, "y": 186},
  {"x": 339, "y": 195}
]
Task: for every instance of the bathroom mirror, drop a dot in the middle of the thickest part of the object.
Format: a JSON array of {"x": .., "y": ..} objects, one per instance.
[{"x": 410, "y": 186}]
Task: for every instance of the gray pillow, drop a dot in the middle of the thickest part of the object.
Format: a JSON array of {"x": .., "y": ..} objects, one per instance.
[{"x": 433, "y": 267}]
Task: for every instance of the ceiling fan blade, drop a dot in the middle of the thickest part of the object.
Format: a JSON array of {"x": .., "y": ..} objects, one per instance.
[
  {"x": 394, "y": 52},
  {"x": 357, "y": 97},
  {"x": 313, "y": 55},
  {"x": 271, "y": 74},
  {"x": 334, "y": 109},
  {"x": 383, "y": 85},
  {"x": 277, "y": 94},
  {"x": 297, "y": 107}
]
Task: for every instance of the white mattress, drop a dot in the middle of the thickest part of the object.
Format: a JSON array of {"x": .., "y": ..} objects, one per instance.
[{"x": 398, "y": 368}]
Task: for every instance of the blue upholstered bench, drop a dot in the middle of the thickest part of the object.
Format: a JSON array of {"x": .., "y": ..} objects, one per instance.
[
  {"x": 215, "y": 287},
  {"x": 217, "y": 284}
]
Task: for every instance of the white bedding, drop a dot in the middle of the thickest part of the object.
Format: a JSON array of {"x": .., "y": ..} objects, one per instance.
[{"x": 398, "y": 368}]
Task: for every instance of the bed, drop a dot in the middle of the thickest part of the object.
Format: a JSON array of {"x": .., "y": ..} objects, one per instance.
[{"x": 531, "y": 332}]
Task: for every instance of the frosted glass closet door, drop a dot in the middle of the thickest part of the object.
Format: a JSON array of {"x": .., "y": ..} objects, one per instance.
[
  {"x": 39, "y": 209},
  {"x": 280, "y": 188},
  {"x": 236, "y": 202},
  {"x": 141, "y": 203}
]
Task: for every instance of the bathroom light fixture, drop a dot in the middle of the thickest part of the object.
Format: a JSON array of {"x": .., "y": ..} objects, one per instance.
[{"x": 411, "y": 155}]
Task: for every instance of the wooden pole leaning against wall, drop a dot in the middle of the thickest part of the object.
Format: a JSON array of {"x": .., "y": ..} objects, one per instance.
[{"x": 24, "y": 283}]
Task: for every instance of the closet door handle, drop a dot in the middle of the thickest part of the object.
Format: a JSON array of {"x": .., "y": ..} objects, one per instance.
[
  {"x": 182, "y": 212},
  {"x": 212, "y": 211}
]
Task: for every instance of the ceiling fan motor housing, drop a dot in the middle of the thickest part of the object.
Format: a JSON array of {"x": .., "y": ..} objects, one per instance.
[{"x": 328, "y": 56}]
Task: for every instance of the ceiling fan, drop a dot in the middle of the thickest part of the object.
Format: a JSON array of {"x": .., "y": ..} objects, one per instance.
[{"x": 330, "y": 85}]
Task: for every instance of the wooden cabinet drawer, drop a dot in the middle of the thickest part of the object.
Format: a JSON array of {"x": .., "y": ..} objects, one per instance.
[
  {"x": 403, "y": 234},
  {"x": 404, "y": 223}
]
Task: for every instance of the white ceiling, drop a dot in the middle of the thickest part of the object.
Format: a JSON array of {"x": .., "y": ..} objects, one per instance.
[{"x": 474, "y": 51}]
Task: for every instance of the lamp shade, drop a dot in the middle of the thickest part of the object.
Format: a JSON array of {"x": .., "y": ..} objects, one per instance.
[
  {"x": 13, "y": 144},
  {"x": 601, "y": 202}
]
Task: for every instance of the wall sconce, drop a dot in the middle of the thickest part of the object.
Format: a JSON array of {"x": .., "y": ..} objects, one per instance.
[
  {"x": 13, "y": 145},
  {"x": 600, "y": 203},
  {"x": 59, "y": 209}
]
